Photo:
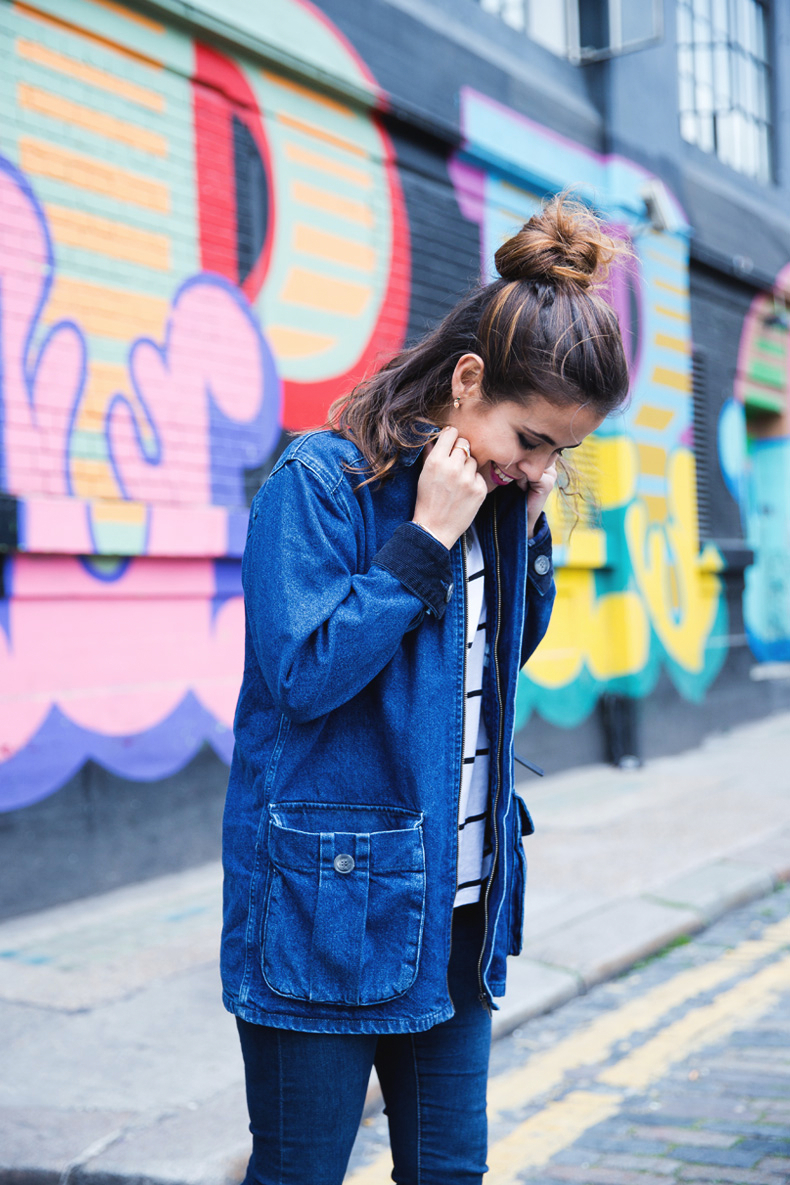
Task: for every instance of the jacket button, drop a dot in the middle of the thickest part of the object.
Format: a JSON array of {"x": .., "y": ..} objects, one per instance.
[
  {"x": 542, "y": 565},
  {"x": 449, "y": 593},
  {"x": 344, "y": 863}
]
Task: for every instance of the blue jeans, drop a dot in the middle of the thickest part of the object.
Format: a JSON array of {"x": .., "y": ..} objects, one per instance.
[{"x": 306, "y": 1091}]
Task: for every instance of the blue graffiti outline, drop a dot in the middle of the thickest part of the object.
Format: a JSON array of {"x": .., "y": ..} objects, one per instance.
[
  {"x": 271, "y": 385},
  {"x": 154, "y": 753},
  {"x": 6, "y": 584},
  {"x": 124, "y": 563},
  {"x": 190, "y": 724},
  {"x": 30, "y": 369},
  {"x": 267, "y": 417}
]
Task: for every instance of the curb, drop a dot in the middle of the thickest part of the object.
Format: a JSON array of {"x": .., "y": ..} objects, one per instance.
[{"x": 559, "y": 965}]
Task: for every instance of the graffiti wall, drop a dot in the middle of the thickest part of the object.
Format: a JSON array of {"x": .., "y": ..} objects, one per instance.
[
  {"x": 754, "y": 445},
  {"x": 198, "y": 252},
  {"x": 635, "y": 593},
  {"x": 195, "y": 254}
]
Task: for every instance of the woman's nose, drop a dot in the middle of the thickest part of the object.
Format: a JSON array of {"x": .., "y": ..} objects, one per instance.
[{"x": 533, "y": 468}]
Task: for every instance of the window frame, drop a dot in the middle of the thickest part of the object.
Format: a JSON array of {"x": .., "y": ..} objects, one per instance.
[{"x": 723, "y": 65}]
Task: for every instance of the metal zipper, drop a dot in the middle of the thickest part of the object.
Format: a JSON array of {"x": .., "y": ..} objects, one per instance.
[
  {"x": 463, "y": 744},
  {"x": 501, "y": 728}
]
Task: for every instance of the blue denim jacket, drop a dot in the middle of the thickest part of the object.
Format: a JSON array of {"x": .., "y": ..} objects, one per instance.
[{"x": 340, "y": 825}]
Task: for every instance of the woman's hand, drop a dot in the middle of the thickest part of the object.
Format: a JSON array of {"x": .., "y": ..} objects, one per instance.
[
  {"x": 537, "y": 493},
  {"x": 450, "y": 490}
]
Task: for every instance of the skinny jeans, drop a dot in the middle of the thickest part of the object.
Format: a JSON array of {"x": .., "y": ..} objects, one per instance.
[{"x": 306, "y": 1091}]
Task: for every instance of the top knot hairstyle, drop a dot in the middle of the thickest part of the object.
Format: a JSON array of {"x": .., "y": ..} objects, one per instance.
[
  {"x": 541, "y": 329},
  {"x": 562, "y": 245}
]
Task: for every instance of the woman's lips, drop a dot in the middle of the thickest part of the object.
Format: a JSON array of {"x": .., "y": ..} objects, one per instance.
[{"x": 499, "y": 476}]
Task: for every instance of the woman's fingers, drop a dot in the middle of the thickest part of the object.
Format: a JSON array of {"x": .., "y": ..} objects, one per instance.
[
  {"x": 450, "y": 490},
  {"x": 448, "y": 445},
  {"x": 444, "y": 441}
]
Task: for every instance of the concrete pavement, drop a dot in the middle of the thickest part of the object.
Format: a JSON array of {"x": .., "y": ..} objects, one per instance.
[{"x": 120, "y": 1065}]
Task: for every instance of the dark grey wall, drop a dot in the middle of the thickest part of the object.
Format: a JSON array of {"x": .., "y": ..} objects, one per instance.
[{"x": 101, "y": 831}]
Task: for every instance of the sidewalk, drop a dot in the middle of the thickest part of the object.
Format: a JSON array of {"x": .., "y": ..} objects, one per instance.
[{"x": 120, "y": 1064}]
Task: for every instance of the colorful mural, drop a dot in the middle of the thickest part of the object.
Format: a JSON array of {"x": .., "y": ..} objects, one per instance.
[
  {"x": 635, "y": 595},
  {"x": 195, "y": 254},
  {"x": 198, "y": 252},
  {"x": 754, "y": 447}
]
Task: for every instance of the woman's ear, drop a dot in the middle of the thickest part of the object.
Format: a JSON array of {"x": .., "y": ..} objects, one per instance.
[{"x": 467, "y": 378}]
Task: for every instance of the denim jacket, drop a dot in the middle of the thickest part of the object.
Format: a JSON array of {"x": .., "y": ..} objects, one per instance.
[{"x": 340, "y": 829}]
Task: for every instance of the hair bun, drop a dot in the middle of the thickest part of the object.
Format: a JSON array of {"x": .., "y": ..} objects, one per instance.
[{"x": 562, "y": 244}]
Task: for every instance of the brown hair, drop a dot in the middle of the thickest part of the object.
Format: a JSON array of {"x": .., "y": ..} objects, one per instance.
[{"x": 539, "y": 329}]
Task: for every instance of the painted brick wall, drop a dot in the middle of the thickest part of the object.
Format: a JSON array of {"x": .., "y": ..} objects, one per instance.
[
  {"x": 161, "y": 202},
  {"x": 200, "y": 247}
]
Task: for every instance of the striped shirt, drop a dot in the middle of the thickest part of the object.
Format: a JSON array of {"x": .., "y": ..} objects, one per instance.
[{"x": 474, "y": 855}]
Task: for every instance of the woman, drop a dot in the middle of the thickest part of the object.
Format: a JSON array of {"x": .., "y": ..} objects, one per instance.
[{"x": 396, "y": 576}]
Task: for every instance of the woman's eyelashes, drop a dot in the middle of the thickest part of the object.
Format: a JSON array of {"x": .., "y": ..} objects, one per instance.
[{"x": 529, "y": 445}]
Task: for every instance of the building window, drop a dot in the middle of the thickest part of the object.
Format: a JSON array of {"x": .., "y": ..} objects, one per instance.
[
  {"x": 584, "y": 30},
  {"x": 544, "y": 21},
  {"x": 724, "y": 81}
]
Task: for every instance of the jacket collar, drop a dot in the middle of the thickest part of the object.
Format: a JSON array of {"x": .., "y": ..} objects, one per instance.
[{"x": 409, "y": 456}]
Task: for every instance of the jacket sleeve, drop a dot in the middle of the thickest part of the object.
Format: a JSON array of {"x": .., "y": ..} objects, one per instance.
[
  {"x": 321, "y": 629},
  {"x": 541, "y": 589}
]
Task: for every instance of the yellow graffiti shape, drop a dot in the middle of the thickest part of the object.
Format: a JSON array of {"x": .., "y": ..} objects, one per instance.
[
  {"x": 679, "y": 593},
  {"x": 619, "y": 467},
  {"x": 610, "y": 634},
  {"x": 604, "y": 472}
]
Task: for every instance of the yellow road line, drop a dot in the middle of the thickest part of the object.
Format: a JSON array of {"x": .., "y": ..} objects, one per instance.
[
  {"x": 560, "y": 1124},
  {"x": 544, "y": 1072},
  {"x": 544, "y": 1135},
  {"x": 712, "y": 1022}
]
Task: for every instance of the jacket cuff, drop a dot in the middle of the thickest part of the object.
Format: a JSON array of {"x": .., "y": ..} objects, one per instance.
[
  {"x": 422, "y": 565},
  {"x": 540, "y": 567}
]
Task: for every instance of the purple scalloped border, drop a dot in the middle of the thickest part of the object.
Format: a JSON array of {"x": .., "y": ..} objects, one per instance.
[{"x": 60, "y": 748}]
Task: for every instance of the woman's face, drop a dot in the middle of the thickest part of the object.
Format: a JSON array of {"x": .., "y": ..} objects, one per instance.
[{"x": 514, "y": 441}]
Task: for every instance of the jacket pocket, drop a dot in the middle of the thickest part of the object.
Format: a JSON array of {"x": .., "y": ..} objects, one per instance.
[
  {"x": 345, "y": 904},
  {"x": 523, "y": 826}
]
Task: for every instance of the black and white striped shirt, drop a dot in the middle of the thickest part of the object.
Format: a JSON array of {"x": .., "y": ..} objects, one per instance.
[{"x": 474, "y": 857}]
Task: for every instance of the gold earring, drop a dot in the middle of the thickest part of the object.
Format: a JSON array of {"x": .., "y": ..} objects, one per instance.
[{"x": 456, "y": 403}]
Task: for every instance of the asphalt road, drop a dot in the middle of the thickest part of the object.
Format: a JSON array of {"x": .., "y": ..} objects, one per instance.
[{"x": 678, "y": 1071}]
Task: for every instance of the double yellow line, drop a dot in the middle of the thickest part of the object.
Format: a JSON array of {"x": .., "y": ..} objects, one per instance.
[{"x": 560, "y": 1123}]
